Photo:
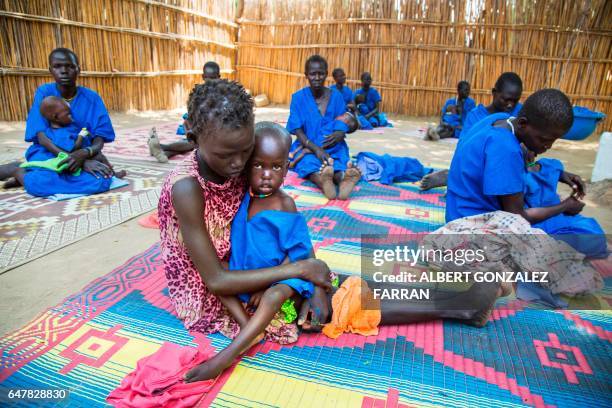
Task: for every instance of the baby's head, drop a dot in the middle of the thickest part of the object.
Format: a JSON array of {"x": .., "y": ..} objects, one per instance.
[
  {"x": 349, "y": 120},
  {"x": 269, "y": 162},
  {"x": 56, "y": 111},
  {"x": 360, "y": 98},
  {"x": 220, "y": 121}
]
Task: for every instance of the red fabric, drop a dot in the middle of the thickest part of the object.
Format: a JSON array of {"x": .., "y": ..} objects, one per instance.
[
  {"x": 150, "y": 221},
  {"x": 158, "y": 380}
]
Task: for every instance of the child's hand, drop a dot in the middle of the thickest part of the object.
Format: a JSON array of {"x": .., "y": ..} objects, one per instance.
[
  {"x": 255, "y": 299},
  {"x": 315, "y": 311}
]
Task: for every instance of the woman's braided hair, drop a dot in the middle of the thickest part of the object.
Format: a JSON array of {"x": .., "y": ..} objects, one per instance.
[{"x": 216, "y": 104}]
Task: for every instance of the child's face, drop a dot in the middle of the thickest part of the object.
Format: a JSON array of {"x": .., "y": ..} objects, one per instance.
[
  {"x": 506, "y": 99},
  {"x": 316, "y": 75},
  {"x": 360, "y": 98},
  {"x": 340, "y": 78},
  {"x": 349, "y": 120},
  {"x": 59, "y": 114},
  {"x": 226, "y": 152},
  {"x": 268, "y": 166}
]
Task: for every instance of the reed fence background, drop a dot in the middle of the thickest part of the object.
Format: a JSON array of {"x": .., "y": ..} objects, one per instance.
[
  {"x": 137, "y": 54},
  {"x": 417, "y": 50},
  {"x": 147, "y": 54}
]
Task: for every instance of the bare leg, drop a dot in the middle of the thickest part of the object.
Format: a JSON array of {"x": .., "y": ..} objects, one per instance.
[
  {"x": 180, "y": 147},
  {"x": 271, "y": 303},
  {"x": 352, "y": 175},
  {"x": 104, "y": 160},
  {"x": 7, "y": 170},
  {"x": 472, "y": 307},
  {"x": 433, "y": 180},
  {"x": 325, "y": 181},
  {"x": 16, "y": 179},
  {"x": 155, "y": 149}
]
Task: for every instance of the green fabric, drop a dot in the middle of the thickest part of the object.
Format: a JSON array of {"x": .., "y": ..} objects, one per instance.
[
  {"x": 52, "y": 164},
  {"x": 288, "y": 308},
  {"x": 336, "y": 282}
]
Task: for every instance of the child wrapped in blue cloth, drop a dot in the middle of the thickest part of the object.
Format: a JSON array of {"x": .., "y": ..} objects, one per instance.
[
  {"x": 583, "y": 233},
  {"x": 266, "y": 232}
]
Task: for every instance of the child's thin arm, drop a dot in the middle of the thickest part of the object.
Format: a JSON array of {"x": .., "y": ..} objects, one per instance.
[
  {"x": 235, "y": 308},
  {"x": 45, "y": 142}
]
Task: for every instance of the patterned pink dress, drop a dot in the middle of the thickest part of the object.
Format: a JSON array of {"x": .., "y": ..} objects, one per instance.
[{"x": 199, "y": 308}]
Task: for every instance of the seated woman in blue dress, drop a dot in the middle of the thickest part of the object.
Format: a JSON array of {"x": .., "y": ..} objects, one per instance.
[
  {"x": 454, "y": 112},
  {"x": 313, "y": 109},
  {"x": 488, "y": 172},
  {"x": 370, "y": 107},
  {"x": 340, "y": 86},
  {"x": 506, "y": 95},
  {"x": 87, "y": 111},
  {"x": 163, "y": 152}
]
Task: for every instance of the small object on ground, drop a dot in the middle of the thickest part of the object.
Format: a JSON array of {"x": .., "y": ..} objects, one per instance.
[
  {"x": 155, "y": 149},
  {"x": 150, "y": 221},
  {"x": 261, "y": 100}
]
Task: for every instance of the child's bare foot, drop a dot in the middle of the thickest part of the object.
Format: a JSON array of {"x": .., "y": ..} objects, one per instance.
[
  {"x": 351, "y": 178},
  {"x": 433, "y": 180},
  {"x": 327, "y": 181},
  {"x": 431, "y": 134},
  {"x": 209, "y": 369},
  {"x": 481, "y": 317},
  {"x": 11, "y": 183},
  {"x": 120, "y": 174},
  {"x": 155, "y": 149}
]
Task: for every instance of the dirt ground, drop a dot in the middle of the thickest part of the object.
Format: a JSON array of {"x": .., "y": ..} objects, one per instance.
[{"x": 31, "y": 288}]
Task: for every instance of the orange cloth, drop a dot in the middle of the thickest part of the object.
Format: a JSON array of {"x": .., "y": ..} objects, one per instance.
[
  {"x": 150, "y": 220},
  {"x": 348, "y": 315}
]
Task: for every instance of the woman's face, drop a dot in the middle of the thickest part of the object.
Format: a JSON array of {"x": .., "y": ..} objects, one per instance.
[
  {"x": 316, "y": 75},
  {"x": 226, "y": 151}
]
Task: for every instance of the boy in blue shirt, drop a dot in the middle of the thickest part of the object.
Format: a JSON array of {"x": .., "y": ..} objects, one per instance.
[{"x": 487, "y": 172}]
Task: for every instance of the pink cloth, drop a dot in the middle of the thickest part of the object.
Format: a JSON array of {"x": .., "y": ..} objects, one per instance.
[
  {"x": 158, "y": 380},
  {"x": 150, "y": 221}
]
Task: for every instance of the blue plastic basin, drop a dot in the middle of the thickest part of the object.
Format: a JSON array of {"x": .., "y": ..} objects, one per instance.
[{"x": 585, "y": 121}]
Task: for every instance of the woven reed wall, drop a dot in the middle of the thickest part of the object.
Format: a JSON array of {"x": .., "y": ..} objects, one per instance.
[
  {"x": 417, "y": 50},
  {"x": 137, "y": 54}
]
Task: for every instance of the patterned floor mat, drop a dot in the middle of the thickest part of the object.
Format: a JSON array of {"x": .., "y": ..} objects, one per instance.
[
  {"x": 31, "y": 227},
  {"x": 523, "y": 357},
  {"x": 132, "y": 143}
]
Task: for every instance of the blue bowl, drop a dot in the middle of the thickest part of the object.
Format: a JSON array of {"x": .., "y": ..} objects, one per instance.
[{"x": 585, "y": 121}]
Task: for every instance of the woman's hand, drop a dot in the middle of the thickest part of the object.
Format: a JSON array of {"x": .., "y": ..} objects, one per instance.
[
  {"x": 97, "y": 169},
  {"x": 575, "y": 182},
  {"x": 317, "y": 272},
  {"x": 315, "y": 312},
  {"x": 333, "y": 139},
  {"x": 322, "y": 155},
  {"x": 75, "y": 160}
]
